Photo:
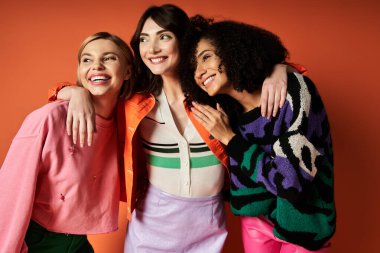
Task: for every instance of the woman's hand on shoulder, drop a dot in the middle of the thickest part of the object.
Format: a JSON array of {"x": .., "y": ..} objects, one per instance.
[
  {"x": 80, "y": 119},
  {"x": 273, "y": 93}
]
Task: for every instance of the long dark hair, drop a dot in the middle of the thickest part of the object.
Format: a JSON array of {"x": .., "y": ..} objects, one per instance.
[{"x": 169, "y": 17}]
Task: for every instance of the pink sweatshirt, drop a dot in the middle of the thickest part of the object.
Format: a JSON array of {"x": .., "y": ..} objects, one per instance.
[{"x": 62, "y": 187}]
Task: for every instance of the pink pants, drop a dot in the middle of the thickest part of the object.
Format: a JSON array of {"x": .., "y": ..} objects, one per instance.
[{"x": 258, "y": 237}]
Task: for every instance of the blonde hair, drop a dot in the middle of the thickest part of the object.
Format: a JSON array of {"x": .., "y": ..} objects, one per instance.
[{"x": 128, "y": 85}]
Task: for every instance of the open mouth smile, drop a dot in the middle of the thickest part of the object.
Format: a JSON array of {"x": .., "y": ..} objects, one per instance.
[
  {"x": 208, "y": 80},
  {"x": 99, "y": 79},
  {"x": 158, "y": 60}
]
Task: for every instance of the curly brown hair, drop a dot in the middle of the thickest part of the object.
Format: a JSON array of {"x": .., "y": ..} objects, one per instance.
[{"x": 248, "y": 53}]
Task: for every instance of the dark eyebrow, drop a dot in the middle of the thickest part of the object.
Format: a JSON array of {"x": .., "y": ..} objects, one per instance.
[
  {"x": 159, "y": 32},
  {"x": 203, "y": 52}
]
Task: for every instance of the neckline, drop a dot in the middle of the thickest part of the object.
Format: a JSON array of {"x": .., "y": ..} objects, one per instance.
[{"x": 167, "y": 115}]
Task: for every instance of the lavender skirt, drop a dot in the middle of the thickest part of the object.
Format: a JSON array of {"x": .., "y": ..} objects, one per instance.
[{"x": 163, "y": 222}]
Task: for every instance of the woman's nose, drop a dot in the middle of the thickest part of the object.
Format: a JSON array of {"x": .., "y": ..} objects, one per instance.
[
  {"x": 154, "y": 47},
  {"x": 199, "y": 71},
  {"x": 97, "y": 65}
]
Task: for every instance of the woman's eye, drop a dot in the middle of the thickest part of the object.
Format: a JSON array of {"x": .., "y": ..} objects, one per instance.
[
  {"x": 85, "y": 60},
  {"x": 165, "y": 36},
  {"x": 205, "y": 57},
  {"x": 109, "y": 58},
  {"x": 143, "y": 39}
]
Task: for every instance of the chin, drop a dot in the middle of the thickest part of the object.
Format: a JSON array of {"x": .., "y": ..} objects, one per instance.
[
  {"x": 155, "y": 70},
  {"x": 212, "y": 93}
]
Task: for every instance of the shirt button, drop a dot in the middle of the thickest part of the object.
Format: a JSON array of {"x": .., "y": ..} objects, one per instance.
[{"x": 187, "y": 183}]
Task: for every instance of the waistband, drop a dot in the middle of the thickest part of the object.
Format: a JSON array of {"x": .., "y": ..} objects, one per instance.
[{"x": 154, "y": 191}]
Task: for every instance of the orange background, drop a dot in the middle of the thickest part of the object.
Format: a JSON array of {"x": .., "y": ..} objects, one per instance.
[{"x": 338, "y": 41}]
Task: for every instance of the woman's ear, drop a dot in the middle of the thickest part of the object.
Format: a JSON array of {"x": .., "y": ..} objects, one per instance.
[{"x": 128, "y": 72}]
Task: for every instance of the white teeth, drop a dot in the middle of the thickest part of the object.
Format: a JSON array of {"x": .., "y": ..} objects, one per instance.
[
  {"x": 99, "y": 78},
  {"x": 157, "y": 60},
  {"x": 209, "y": 79}
]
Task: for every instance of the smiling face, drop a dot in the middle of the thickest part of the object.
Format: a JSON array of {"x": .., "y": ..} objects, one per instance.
[
  {"x": 103, "y": 68},
  {"x": 209, "y": 74},
  {"x": 159, "y": 49}
]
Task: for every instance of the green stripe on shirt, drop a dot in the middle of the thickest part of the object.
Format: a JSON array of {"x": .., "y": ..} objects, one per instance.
[{"x": 175, "y": 162}]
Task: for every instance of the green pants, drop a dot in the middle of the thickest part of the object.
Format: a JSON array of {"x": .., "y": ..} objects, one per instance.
[{"x": 40, "y": 240}]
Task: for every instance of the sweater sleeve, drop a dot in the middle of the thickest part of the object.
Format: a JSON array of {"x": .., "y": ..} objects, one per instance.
[
  {"x": 18, "y": 179},
  {"x": 53, "y": 91},
  {"x": 297, "y": 153}
]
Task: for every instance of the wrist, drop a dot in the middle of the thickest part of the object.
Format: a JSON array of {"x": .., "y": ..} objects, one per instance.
[
  {"x": 228, "y": 138},
  {"x": 78, "y": 91},
  {"x": 55, "y": 92}
]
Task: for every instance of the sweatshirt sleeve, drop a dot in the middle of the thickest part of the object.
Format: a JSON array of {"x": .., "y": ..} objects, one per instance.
[
  {"x": 18, "y": 180},
  {"x": 298, "y": 152}
]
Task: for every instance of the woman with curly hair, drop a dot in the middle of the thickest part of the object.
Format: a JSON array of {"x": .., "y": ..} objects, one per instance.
[{"x": 281, "y": 167}]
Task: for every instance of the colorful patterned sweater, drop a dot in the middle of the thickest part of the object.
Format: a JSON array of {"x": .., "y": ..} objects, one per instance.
[{"x": 282, "y": 168}]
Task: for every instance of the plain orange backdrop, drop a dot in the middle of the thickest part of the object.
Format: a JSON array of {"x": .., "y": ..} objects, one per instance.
[{"x": 338, "y": 41}]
